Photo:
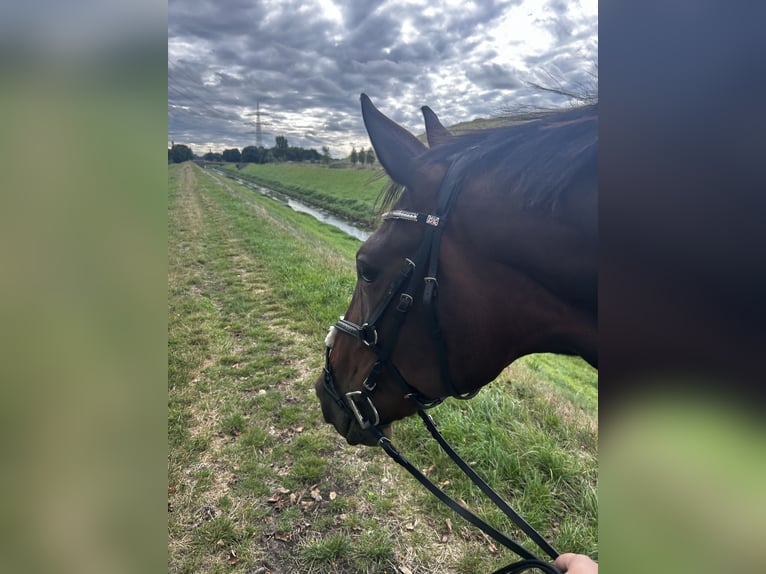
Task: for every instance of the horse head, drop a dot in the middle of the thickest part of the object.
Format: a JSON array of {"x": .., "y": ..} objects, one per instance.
[{"x": 485, "y": 257}]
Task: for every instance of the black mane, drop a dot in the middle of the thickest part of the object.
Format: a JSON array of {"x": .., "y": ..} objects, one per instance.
[{"x": 539, "y": 160}]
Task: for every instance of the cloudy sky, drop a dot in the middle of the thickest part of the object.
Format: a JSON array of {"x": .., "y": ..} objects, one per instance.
[{"x": 307, "y": 61}]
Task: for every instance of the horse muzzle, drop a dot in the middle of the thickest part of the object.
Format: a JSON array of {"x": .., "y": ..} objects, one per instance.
[{"x": 343, "y": 419}]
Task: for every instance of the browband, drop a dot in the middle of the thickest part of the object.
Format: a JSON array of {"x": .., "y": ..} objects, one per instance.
[{"x": 428, "y": 219}]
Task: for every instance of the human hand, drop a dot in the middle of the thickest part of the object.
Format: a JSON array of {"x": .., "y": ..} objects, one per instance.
[{"x": 576, "y": 564}]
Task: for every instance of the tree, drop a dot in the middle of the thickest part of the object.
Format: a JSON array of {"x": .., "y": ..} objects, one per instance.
[
  {"x": 310, "y": 154},
  {"x": 252, "y": 154},
  {"x": 281, "y": 150},
  {"x": 180, "y": 153},
  {"x": 370, "y": 157},
  {"x": 354, "y": 157},
  {"x": 361, "y": 156},
  {"x": 326, "y": 155},
  {"x": 232, "y": 155}
]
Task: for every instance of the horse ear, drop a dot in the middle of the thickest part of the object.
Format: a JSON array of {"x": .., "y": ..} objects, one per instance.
[
  {"x": 396, "y": 148},
  {"x": 436, "y": 133}
]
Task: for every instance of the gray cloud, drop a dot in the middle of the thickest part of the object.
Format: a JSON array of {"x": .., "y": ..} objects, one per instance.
[
  {"x": 494, "y": 76},
  {"x": 306, "y": 66}
]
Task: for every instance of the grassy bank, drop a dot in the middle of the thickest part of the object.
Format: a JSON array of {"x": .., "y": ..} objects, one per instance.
[
  {"x": 348, "y": 193},
  {"x": 256, "y": 479}
]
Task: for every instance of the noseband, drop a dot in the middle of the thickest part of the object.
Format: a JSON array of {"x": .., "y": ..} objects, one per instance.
[{"x": 420, "y": 268}]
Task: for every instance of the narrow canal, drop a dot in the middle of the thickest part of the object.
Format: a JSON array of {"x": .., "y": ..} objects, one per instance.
[{"x": 301, "y": 207}]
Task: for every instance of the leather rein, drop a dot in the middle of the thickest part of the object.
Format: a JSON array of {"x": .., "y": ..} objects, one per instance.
[{"x": 423, "y": 268}]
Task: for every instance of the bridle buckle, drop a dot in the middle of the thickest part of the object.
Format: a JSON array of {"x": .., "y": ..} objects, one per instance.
[
  {"x": 364, "y": 423},
  {"x": 405, "y": 302},
  {"x": 364, "y": 334}
]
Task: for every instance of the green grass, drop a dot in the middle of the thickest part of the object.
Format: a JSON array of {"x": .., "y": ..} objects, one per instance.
[
  {"x": 350, "y": 193},
  {"x": 254, "y": 470},
  {"x": 571, "y": 375},
  {"x": 322, "y": 551}
]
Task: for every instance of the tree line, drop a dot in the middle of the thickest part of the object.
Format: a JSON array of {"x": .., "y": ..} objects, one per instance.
[
  {"x": 362, "y": 156},
  {"x": 281, "y": 151}
]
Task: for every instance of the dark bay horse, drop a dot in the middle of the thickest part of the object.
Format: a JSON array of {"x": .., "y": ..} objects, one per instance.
[{"x": 489, "y": 254}]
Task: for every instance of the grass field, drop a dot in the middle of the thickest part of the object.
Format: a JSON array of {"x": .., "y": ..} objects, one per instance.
[
  {"x": 349, "y": 193},
  {"x": 257, "y": 482}
]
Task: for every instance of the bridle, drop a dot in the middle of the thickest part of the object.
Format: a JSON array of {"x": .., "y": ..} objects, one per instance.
[
  {"x": 402, "y": 290},
  {"x": 422, "y": 268}
]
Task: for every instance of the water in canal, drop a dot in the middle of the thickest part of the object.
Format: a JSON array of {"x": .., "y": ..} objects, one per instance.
[{"x": 301, "y": 207}]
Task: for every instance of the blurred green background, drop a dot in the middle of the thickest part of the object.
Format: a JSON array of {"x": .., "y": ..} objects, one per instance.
[
  {"x": 82, "y": 287},
  {"x": 681, "y": 482}
]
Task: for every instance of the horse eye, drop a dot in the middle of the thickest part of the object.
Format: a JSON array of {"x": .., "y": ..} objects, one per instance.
[
  {"x": 365, "y": 273},
  {"x": 368, "y": 276}
]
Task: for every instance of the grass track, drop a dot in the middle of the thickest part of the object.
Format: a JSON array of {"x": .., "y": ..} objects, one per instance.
[{"x": 256, "y": 479}]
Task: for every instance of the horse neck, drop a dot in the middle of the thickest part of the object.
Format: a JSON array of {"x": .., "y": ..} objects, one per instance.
[
  {"x": 559, "y": 255},
  {"x": 549, "y": 257}
]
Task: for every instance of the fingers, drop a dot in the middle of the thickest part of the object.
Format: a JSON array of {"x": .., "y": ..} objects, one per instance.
[
  {"x": 576, "y": 564},
  {"x": 564, "y": 560}
]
